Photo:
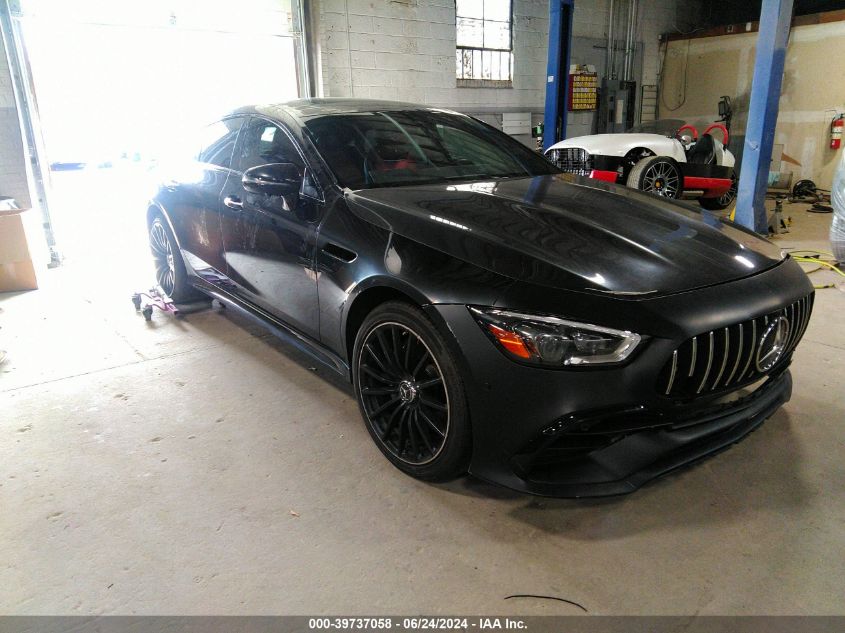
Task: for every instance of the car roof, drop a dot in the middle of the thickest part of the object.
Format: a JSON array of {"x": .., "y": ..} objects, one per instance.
[{"x": 305, "y": 109}]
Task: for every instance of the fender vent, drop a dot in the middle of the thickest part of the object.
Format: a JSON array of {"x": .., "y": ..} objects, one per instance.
[{"x": 726, "y": 359}]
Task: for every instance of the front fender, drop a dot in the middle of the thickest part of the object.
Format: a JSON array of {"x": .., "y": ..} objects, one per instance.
[
  {"x": 389, "y": 261},
  {"x": 154, "y": 207}
]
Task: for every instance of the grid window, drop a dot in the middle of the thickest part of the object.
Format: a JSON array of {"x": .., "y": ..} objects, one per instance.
[{"x": 484, "y": 40}]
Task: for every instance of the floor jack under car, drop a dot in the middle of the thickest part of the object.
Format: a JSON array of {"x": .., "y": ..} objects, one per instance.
[{"x": 145, "y": 301}]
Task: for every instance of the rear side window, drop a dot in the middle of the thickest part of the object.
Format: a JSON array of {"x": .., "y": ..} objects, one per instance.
[
  {"x": 263, "y": 142},
  {"x": 217, "y": 142}
]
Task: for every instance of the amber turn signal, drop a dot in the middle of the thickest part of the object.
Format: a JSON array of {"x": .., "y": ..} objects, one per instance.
[{"x": 510, "y": 341}]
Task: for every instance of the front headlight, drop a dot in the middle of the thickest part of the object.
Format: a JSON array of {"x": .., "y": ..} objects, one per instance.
[{"x": 552, "y": 342}]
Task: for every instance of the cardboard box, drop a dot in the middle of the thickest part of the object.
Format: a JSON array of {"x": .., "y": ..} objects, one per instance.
[{"x": 16, "y": 269}]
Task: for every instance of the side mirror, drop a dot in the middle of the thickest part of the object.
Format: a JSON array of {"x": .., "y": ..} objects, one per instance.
[
  {"x": 273, "y": 179},
  {"x": 724, "y": 107}
]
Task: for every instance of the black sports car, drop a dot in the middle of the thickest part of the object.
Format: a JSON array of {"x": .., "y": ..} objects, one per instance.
[{"x": 556, "y": 335}]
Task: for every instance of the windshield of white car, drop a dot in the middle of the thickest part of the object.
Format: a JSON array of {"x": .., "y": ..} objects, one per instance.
[
  {"x": 664, "y": 127},
  {"x": 414, "y": 147}
]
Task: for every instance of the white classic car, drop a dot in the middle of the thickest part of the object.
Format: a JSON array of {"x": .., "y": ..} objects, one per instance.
[{"x": 664, "y": 157}]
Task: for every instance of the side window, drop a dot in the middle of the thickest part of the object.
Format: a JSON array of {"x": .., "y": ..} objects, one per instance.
[
  {"x": 217, "y": 141},
  {"x": 264, "y": 142}
]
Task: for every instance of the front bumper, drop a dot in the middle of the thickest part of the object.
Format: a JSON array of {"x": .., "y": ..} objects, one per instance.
[
  {"x": 588, "y": 432},
  {"x": 632, "y": 457}
]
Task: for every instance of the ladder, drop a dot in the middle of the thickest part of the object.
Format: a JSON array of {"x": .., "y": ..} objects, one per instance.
[{"x": 648, "y": 103}]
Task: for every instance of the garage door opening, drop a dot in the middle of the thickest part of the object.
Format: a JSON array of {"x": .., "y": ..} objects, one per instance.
[{"x": 118, "y": 88}]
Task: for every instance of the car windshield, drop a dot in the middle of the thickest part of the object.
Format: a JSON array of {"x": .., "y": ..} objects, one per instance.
[
  {"x": 664, "y": 127},
  {"x": 389, "y": 149}
]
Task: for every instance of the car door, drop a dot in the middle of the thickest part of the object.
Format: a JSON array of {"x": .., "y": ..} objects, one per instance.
[
  {"x": 269, "y": 241},
  {"x": 191, "y": 198}
]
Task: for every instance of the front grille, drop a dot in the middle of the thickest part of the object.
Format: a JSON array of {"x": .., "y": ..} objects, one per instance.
[
  {"x": 727, "y": 358},
  {"x": 572, "y": 160}
]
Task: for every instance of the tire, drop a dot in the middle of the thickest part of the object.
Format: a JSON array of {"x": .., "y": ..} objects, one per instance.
[
  {"x": 805, "y": 189},
  {"x": 658, "y": 175},
  {"x": 722, "y": 202},
  {"x": 411, "y": 393},
  {"x": 170, "y": 272}
]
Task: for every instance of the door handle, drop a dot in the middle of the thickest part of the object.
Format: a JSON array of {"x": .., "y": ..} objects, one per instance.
[{"x": 233, "y": 202}]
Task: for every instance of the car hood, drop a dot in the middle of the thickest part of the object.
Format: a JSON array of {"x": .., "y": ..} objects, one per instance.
[{"x": 555, "y": 231}]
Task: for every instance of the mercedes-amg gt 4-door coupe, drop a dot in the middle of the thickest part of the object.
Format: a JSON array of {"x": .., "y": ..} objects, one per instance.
[{"x": 559, "y": 335}]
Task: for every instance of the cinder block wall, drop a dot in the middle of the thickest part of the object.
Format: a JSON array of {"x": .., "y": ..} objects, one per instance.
[
  {"x": 405, "y": 50},
  {"x": 13, "y": 179}
]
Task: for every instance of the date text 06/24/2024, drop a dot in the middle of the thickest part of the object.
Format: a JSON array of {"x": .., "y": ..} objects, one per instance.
[{"x": 415, "y": 624}]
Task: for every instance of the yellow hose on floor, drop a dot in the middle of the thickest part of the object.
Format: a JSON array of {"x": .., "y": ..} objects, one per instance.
[{"x": 816, "y": 258}]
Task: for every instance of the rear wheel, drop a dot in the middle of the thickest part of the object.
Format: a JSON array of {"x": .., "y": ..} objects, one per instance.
[
  {"x": 170, "y": 272},
  {"x": 658, "y": 175},
  {"x": 722, "y": 202},
  {"x": 411, "y": 394}
]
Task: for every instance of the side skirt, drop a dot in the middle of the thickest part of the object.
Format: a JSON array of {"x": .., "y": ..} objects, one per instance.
[{"x": 280, "y": 329}]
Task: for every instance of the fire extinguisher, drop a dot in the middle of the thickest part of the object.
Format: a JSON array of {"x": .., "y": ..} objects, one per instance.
[{"x": 836, "y": 131}]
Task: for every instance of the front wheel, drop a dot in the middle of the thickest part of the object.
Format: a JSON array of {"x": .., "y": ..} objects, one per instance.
[
  {"x": 170, "y": 272},
  {"x": 658, "y": 175},
  {"x": 722, "y": 202},
  {"x": 411, "y": 393}
]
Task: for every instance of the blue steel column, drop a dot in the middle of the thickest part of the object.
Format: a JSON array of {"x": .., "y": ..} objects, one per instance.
[
  {"x": 775, "y": 19},
  {"x": 557, "y": 71}
]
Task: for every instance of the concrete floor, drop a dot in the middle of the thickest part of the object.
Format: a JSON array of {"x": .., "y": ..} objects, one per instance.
[{"x": 201, "y": 467}]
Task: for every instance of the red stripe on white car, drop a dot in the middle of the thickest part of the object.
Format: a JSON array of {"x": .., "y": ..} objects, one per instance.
[
  {"x": 607, "y": 176},
  {"x": 713, "y": 187}
]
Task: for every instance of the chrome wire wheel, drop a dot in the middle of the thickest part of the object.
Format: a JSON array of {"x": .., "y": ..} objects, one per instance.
[
  {"x": 403, "y": 393},
  {"x": 661, "y": 178},
  {"x": 165, "y": 267}
]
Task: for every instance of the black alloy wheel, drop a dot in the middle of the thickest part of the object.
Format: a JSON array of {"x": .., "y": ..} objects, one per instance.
[
  {"x": 170, "y": 273},
  {"x": 404, "y": 393},
  {"x": 410, "y": 394},
  {"x": 165, "y": 269}
]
